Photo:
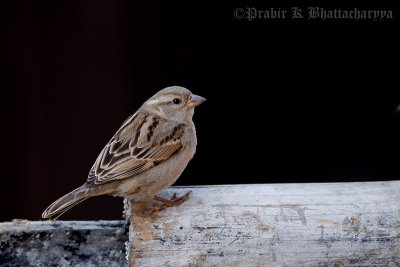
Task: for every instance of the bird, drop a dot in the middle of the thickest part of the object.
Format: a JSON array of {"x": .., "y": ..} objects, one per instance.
[{"x": 147, "y": 154}]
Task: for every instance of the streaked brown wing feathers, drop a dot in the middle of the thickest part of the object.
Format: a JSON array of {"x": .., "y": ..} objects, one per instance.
[{"x": 142, "y": 141}]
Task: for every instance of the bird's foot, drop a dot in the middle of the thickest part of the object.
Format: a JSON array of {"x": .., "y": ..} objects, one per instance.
[{"x": 170, "y": 202}]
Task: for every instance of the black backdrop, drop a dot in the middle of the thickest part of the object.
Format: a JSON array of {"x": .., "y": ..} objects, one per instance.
[{"x": 288, "y": 100}]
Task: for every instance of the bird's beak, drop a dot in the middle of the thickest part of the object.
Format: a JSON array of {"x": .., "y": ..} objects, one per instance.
[{"x": 194, "y": 101}]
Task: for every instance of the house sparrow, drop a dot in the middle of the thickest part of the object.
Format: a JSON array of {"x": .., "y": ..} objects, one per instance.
[{"x": 147, "y": 154}]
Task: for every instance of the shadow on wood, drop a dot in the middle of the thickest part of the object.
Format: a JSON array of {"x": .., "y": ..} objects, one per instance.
[{"x": 63, "y": 243}]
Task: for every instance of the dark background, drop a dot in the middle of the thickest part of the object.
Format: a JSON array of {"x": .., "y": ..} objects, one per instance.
[{"x": 288, "y": 100}]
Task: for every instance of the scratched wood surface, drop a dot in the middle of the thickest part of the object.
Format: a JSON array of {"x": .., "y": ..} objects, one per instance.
[
  {"x": 63, "y": 243},
  {"x": 331, "y": 224}
]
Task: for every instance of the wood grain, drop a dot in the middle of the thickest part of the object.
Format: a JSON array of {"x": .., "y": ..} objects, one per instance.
[
  {"x": 63, "y": 243},
  {"x": 331, "y": 224}
]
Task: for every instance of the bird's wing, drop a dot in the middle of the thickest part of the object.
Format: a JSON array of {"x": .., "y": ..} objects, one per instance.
[{"x": 143, "y": 141}]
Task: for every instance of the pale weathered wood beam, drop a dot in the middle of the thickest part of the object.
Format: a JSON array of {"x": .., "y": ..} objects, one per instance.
[{"x": 327, "y": 224}]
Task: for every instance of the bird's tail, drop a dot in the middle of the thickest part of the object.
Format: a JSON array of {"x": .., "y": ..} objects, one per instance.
[{"x": 66, "y": 202}]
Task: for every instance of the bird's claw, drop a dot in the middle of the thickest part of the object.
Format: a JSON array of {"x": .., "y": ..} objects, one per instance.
[{"x": 170, "y": 203}]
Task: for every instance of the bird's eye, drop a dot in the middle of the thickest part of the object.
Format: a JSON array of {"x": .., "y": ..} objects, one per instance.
[{"x": 176, "y": 101}]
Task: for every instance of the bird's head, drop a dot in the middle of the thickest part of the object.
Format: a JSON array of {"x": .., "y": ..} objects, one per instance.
[{"x": 174, "y": 103}]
